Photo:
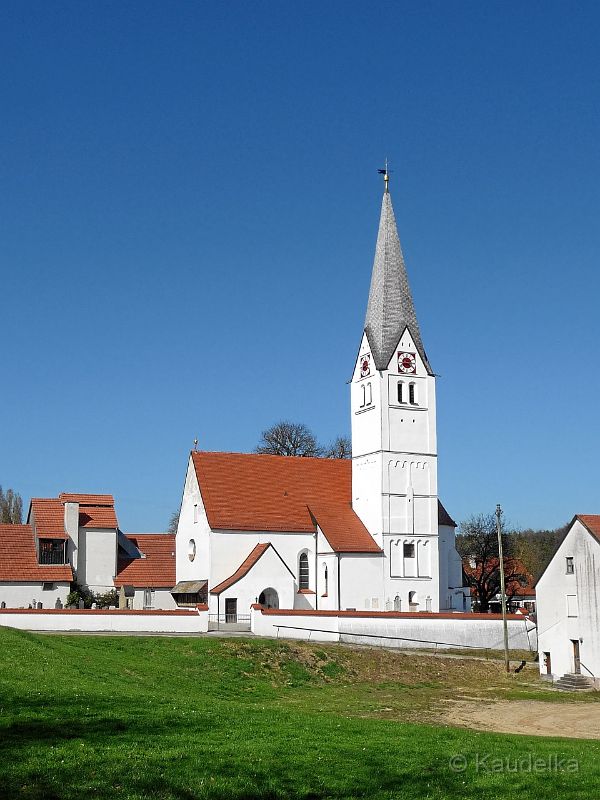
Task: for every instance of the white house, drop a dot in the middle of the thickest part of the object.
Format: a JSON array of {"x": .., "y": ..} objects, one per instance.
[
  {"x": 75, "y": 539},
  {"x": 365, "y": 534},
  {"x": 568, "y": 604}
]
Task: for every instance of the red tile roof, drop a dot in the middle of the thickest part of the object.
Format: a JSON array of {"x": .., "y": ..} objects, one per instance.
[
  {"x": 246, "y": 491},
  {"x": 244, "y": 568},
  {"x": 87, "y": 499},
  {"x": 591, "y": 522},
  {"x": 154, "y": 571},
  {"x": 18, "y": 559},
  {"x": 343, "y": 529},
  {"x": 95, "y": 511},
  {"x": 49, "y": 517},
  {"x": 97, "y": 517}
]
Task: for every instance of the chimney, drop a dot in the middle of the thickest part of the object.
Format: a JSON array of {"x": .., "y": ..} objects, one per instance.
[{"x": 72, "y": 529}]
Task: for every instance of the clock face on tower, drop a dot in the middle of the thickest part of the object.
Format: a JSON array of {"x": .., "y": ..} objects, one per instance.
[
  {"x": 407, "y": 363},
  {"x": 365, "y": 365}
]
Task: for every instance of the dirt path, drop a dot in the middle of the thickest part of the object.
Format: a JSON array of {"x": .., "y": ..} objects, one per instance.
[{"x": 573, "y": 720}]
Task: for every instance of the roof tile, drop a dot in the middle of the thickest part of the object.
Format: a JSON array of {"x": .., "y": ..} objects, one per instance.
[
  {"x": 18, "y": 558},
  {"x": 156, "y": 570}
]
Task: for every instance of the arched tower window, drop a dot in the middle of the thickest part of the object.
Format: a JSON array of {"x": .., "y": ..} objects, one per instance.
[
  {"x": 303, "y": 573},
  {"x": 412, "y": 399},
  {"x": 400, "y": 392}
]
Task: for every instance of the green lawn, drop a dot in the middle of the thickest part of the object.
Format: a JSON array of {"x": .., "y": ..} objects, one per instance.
[{"x": 118, "y": 717}]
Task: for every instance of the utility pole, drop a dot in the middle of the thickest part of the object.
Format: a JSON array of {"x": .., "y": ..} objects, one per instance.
[{"x": 502, "y": 586}]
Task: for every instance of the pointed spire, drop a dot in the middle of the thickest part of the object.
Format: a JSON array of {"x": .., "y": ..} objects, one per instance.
[{"x": 390, "y": 309}]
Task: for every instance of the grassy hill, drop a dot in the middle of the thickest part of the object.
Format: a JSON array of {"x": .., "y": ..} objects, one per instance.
[{"x": 182, "y": 718}]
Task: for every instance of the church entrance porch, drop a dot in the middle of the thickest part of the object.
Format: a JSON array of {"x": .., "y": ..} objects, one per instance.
[{"x": 269, "y": 598}]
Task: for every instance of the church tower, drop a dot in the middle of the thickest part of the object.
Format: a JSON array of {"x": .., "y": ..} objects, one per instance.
[{"x": 394, "y": 449}]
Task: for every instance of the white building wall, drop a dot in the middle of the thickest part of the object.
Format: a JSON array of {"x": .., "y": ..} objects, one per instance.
[
  {"x": 162, "y": 599},
  {"x": 193, "y": 621},
  {"x": 193, "y": 533},
  {"x": 97, "y": 559},
  {"x": 22, "y": 595},
  {"x": 568, "y": 605},
  {"x": 230, "y": 548},
  {"x": 402, "y": 631},
  {"x": 267, "y": 573},
  {"x": 361, "y": 581}
]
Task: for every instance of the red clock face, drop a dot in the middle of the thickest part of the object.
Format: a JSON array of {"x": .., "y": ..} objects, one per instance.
[
  {"x": 365, "y": 366},
  {"x": 407, "y": 363}
]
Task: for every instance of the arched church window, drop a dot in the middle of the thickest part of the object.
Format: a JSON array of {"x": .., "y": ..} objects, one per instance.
[
  {"x": 412, "y": 394},
  {"x": 369, "y": 393},
  {"x": 303, "y": 573},
  {"x": 400, "y": 392},
  {"x": 363, "y": 396}
]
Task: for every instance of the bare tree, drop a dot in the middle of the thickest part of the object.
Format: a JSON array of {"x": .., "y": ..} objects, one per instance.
[
  {"x": 339, "y": 448},
  {"x": 11, "y": 507},
  {"x": 477, "y": 544},
  {"x": 288, "y": 439},
  {"x": 173, "y": 522}
]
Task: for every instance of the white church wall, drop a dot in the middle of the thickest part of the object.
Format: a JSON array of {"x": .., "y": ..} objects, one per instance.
[
  {"x": 21, "y": 595},
  {"x": 567, "y": 605},
  {"x": 361, "y": 581},
  {"x": 230, "y": 548},
  {"x": 192, "y": 542}
]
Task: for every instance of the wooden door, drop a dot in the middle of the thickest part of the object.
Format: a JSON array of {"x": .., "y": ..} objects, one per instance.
[
  {"x": 231, "y": 609},
  {"x": 576, "y": 657}
]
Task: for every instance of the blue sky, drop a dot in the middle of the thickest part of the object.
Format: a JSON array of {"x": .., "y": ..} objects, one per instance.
[{"x": 188, "y": 216}]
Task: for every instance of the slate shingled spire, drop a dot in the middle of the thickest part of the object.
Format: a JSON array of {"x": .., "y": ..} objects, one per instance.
[{"x": 390, "y": 309}]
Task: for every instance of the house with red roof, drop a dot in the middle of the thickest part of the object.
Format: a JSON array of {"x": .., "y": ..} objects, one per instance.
[
  {"x": 74, "y": 539},
  {"x": 368, "y": 533},
  {"x": 568, "y": 606}
]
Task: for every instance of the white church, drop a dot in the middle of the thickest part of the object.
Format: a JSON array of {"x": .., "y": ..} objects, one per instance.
[{"x": 334, "y": 534}]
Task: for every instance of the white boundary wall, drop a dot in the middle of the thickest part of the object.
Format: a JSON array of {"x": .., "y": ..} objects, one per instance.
[
  {"x": 89, "y": 620},
  {"x": 396, "y": 630}
]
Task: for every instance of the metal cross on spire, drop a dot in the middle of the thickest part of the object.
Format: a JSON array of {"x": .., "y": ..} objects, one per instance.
[{"x": 386, "y": 176}]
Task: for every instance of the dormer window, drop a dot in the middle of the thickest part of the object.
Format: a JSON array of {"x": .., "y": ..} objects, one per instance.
[{"x": 51, "y": 551}]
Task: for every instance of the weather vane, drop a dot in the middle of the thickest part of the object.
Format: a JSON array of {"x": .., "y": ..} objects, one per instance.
[
  {"x": 195, "y": 444},
  {"x": 386, "y": 175}
]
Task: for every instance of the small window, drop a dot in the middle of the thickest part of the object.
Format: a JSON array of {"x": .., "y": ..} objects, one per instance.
[
  {"x": 400, "y": 392},
  {"x": 409, "y": 550},
  {"x": 326, "y": 579},
  {"x": 191, "y": 550},
  {"x": 303, "y": 574},
  {"x": 570, "y": 565},
  {"x": 148, "y": 598},
  {"x": 47, "y": 586},
  {"x": 572, "y": 606},
  {"x": 196, "y": 512},
  {"x": 411, "y": 394}
]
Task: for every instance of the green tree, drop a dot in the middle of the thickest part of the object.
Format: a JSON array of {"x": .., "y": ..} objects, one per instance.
[{"x": 477, "y": 544}]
